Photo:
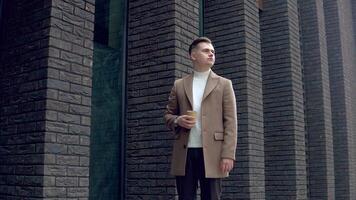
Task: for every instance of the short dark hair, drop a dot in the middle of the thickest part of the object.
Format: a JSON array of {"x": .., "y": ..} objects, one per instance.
[{"x": 197, "y": 41}]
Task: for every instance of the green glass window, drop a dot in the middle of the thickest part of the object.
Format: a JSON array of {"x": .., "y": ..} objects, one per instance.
[{"x": 108, "y": 94}]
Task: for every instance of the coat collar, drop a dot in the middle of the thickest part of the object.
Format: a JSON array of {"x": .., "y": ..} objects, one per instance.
[{"x": 211, "y": 83}]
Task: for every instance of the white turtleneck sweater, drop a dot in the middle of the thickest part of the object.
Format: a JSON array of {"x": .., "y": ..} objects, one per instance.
[{"x": 199, "y": 83}]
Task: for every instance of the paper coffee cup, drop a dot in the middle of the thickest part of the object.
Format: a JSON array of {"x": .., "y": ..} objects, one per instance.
[{"x": 192, "y": 113}]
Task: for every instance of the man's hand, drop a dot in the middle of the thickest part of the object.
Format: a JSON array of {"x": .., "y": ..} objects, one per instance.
[
  {"x": 186, "y": 121},
  {"x": 226, "y": 165}
]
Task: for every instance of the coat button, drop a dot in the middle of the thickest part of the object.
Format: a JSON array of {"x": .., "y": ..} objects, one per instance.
[{"x": 184, "y": 146}]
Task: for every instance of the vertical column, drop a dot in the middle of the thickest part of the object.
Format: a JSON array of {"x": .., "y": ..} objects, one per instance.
[
  {"x": 349, "y": 52},
  {"x": 45, "y": 116},
  {"x": 341, "y": 53},
  {"x": 317, "y": 101},
  {"x": 285, "y": 159},
  {"x": 353, "y": 7},
  {"x": 353, "y": 88},
  {"x": 234, "y": 28},
  {"x": 159, "y": 34},
  {"x": 68, "y": 100},
  {"x": 24, "y": 48}
]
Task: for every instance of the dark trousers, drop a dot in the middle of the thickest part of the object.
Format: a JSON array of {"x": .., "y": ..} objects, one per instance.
[{"x": 187, "y": 185}]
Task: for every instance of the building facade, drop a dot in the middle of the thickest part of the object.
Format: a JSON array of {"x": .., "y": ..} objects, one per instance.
[{"x": 84, "y": 84}]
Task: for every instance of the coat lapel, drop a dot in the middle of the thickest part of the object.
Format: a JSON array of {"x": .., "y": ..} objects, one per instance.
[
  {"x": 188, "y": 88},
  {"x": 211, "y": 84}
]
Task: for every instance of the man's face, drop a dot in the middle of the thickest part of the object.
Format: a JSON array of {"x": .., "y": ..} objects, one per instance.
[{"x": 203, "y": 55}]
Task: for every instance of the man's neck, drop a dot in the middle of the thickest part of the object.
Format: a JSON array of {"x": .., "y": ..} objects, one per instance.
[{"x": 201, "y": 69}]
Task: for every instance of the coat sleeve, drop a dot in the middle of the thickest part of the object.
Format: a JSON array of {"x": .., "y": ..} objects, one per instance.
[
  {"x": 172, "y": 110},
  {"x": 230, "y": 122}
]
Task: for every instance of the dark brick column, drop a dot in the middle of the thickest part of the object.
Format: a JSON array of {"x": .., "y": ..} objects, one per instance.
[
  {"x": 285, "y": 159},
  {"x": 24, "y": 50},
  {"x": 321, "y": 180},
  {"x": 159, "y": 33},
  {"x": 341, "y": 57},
  {"x": 234, "y": 28},
  {"x": 45, "y": 100},
  {"x": 349, "y": 56},
  {"x": 354, "y": 17},
  {"x": 68, "y": 102},
  {"x": 353, "y": 89}
]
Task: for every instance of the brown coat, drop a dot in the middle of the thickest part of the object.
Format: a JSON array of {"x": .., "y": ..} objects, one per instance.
[{"x": 218, "y": 123}]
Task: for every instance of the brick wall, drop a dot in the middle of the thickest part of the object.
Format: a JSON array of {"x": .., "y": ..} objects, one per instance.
[
  {"x": 234, "y": 28},
  {"x": 339, "y": 42},
  {"x": 23, "y": 93},
  {"x": 68, "y": 102},
  {"x": 320, "y": 159},
  {"x": 353, "y": 9},
  {"x": 348, "y": 55},
  {"x": 46, "y": 57},
  {"x": 349, "y": 52},
  {"x": 285, "y": 162},
  {"x": 45, "y": 112},
  {"x": 158, "y": 37},
  {"x": 353, "y": 86}
]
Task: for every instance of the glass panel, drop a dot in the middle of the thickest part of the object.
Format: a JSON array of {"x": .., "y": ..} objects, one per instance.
[{"x": 106, "y": 161}]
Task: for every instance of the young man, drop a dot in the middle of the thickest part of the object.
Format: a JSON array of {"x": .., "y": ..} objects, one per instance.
[{"x": 205, "y": 143}]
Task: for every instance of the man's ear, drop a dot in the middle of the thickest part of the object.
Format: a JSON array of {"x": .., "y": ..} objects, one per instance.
[{"x": 192, "y": 55}]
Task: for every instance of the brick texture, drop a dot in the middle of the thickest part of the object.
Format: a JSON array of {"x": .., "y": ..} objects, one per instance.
[
  {"x": 23, "y": 95},
  {"x": 348, "y": 55},
  {"x": 317, "y": 101},
  {"x": 46, "y": 104},
  {"x": 158, "y": 37},
  {"x": 68, "y": 106},
  {"x": 285, "y": 159},
  {"x": 234, "y": 28},
  {"x": 354, "y": 17},
  {"x": 353, "y": 88},
  {"x": 292, "y": 64},
  {"x": 341, "y": 44}
]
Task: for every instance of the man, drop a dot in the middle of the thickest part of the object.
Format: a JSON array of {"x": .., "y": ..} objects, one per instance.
[{"x": 205, "y": 145}]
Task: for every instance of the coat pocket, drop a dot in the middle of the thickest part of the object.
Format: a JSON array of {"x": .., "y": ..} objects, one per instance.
[{"x": 219, "y": 136}]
